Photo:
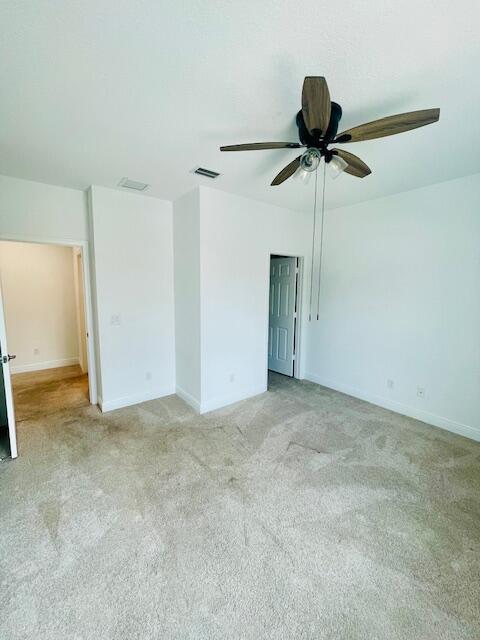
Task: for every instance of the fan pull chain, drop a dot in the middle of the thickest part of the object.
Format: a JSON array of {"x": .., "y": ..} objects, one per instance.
[
  {"x": 313, "y": 246},
  {"x": 321, "y": 241}
]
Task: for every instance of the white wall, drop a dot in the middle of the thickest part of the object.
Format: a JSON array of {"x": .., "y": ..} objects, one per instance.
[
  {"x": 31, "y": 209},
  {"x": 133, "y": 262},
  {"x": 237, "y": 237},
  {"x": 186, "y": 233},
  {"x": 400, "y": 301},
  {"x": 399, "y": 294},
  {"x": 39, "y": 302}
]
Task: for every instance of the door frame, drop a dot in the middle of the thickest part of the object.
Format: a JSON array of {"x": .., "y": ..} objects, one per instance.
[
  {"x": 299, "y": 304},
  {"x": 7, "y": 384},
  {"x": 87, "y": 284},
  {"x": 79, "y": 305}
]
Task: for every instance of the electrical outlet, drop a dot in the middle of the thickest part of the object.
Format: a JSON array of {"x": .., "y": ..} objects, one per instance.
[
  {"x": 232, "y": 377},
  {"x": 148, "y": 375},
  {"x": 36, "y": 351},
  {"x": 115, "y": 320},
  {"x": 421, "y": 392},
  {"x": 390, "y": 384}
]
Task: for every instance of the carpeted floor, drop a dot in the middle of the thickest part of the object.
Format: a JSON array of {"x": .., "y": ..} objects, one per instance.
[
  {"x": 299, "y": 514},
  {"x": 37, "y": 393}
]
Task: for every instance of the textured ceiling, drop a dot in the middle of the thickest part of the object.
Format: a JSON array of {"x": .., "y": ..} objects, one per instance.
[{"x": 96, "y": 90}]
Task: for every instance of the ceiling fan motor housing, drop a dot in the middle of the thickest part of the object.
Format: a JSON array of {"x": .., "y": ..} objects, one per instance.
[{"x": 322, "y": 140}]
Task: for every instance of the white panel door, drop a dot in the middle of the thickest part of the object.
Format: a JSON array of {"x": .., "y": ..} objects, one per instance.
[
  {"x": 281, "y": 325},
  {"x": 6, "y": 397}
]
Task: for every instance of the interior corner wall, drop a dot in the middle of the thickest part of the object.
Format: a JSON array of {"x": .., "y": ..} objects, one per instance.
[
  {"x": 39, "y": 304},
  {"x": 93, "y": 293},
  {"x": 186, "y": 238},
  {"x": 400, "y": 302},
  {"x": 134, "y": 299},
  {"x": 237, "y": 236}
]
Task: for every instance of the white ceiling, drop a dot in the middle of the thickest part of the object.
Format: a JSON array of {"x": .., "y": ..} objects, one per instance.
[{"x": 96, "y": 90}]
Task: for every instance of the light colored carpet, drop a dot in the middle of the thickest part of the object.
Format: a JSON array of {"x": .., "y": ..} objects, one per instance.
[
  {"x": 299, "y": 514},
  {"x": 38, "y": 393}
]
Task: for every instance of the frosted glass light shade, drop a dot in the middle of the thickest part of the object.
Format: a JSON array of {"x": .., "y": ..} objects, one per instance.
[
  {"x": 302, "y": 176},
  {"x": 336, "y": 166}
]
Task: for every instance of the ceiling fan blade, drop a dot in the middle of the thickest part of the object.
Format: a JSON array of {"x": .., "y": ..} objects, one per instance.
[
  {"x": 356, "y": 167},
  {"x": 316, "y": 105},
  {"x": 286, "y": 172},
  {"x": 389, "y": 126},
  {"x": 252, "y": 146}
]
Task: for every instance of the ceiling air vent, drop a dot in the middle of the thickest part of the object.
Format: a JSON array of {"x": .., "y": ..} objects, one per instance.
[
  {"x": 207, "y": 173},
  {"x": 132, "y": 184}
]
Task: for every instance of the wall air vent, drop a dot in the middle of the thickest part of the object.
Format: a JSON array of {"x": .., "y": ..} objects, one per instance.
[
  {"x": 207, "y": 173},
  {"x": 132, "y": 184}
]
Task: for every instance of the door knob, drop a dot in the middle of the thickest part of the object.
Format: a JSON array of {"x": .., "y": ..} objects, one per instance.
[{"x": 6, "y": 359}]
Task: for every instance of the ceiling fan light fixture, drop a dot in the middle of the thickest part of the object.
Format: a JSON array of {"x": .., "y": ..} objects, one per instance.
[
  {"x": 310, "y": 159},
  {"x": 336, "y": 166},
  {"x": 309, "y": 162}
]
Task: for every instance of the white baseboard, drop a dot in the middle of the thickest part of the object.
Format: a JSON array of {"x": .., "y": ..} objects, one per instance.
[
  {"x": 412, "y": 412},
  {"x": 224, "y": 401},
  {"x": 40, "y": 366},
  {"x": 188, "y": 398},
  {"x": 136, "y": 398}
]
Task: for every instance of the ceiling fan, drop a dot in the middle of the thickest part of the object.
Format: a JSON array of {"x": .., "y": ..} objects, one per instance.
[{"x": 318, "y": 122}]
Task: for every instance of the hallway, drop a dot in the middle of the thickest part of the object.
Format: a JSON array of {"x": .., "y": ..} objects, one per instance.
[{"x": 39, "y": 393}]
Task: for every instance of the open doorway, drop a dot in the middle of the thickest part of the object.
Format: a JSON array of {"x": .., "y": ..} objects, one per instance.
[
  {"x": 283, "y": 318},
  {"x": 45, "y": 320}
]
